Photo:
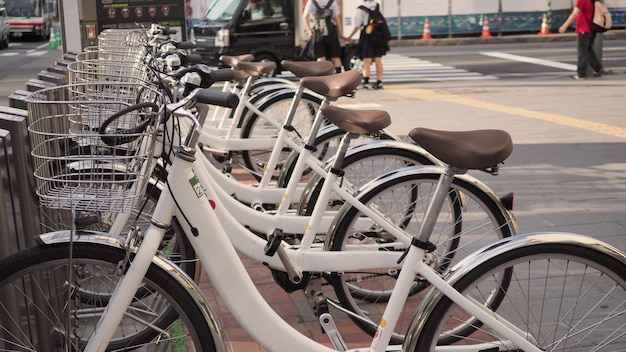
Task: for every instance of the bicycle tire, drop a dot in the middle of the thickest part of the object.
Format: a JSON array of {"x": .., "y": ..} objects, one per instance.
[
  {"x": 43, "y": 315},
  {"x": 176, "y": 248},
  {"x": 261, "y": 90},
  {"x": 326, "y": 145},
  {"x": 364, "y": 164},
  {"x": 470, "y": 218},
  {"x": 277, "y": 108},
  {"x": 574, "y": 291}
]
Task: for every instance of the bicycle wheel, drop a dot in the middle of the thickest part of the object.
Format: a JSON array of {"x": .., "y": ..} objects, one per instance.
[
  {"x": 276, "y": 109},
  {"x": 469, "y": 219},
  {"x": 176, "y": 248},
  {"x": 365, "y": 163},
  {"x": 326, "y": 145},
  {"x": 39, "y": 312},
  {"x": 567, "y": 295}
]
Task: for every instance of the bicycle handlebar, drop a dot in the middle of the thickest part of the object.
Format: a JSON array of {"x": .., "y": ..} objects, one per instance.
[
  {"x": 168, "y": 31},
  {"x": 192, "y": 59},
  {"x": 124, "y": 136},
  {"x": 219, "y": 98},
  {"x": 185, "y": 45},
  {"x": 207, "y": 75}
]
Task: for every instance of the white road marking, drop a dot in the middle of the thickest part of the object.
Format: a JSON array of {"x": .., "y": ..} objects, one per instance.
[{"x": 530, "y": 60}]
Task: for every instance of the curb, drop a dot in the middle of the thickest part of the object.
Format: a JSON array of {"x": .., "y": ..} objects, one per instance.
[{"x": 617, "y": 34}]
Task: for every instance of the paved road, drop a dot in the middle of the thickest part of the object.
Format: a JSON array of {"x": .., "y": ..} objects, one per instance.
[{"x": 570, "y": 143}]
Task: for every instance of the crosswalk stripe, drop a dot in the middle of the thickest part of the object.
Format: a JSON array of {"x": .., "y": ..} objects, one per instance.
[
  {"x": 28, "y": 53},
  {"x": 402, "y": 69},
  {"x": 399, "y": 68},
  {"x": 36, "y": 53}
]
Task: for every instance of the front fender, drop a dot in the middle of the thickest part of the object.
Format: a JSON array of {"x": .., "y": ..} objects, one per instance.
[
  {"x": 106, "y": 239},
  {"x": 466, "y": 180},
  {"x": 523, "y": 241}
]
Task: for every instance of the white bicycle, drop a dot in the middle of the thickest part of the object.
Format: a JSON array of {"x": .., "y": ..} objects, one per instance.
[
  {"x": 473, "y": 217},
  {"x": 533, "y": 292}
]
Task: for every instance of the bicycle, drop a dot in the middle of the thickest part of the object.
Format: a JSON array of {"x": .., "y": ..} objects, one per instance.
[
  {"x": 108, "y": 70},
  {"x": 192, "y": 203},
  {"x": 299, "y": 225},
  {"x": 319, "y": 222}
]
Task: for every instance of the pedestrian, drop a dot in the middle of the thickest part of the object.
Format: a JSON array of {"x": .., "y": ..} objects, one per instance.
[
  {"x": 583, "y": 15},
  {"x": 258, "y": 10},
  {"x": 188, "y": 17},
  {"x": 326, "y": 41},
  {"x": 372, "y": 46}
]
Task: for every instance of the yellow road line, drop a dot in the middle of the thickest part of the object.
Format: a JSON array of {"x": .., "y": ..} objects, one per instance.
[{"x": 428, "y": 94}]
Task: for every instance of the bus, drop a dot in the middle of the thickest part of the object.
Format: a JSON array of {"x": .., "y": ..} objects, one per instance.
[{"x": 31, "y": 17}]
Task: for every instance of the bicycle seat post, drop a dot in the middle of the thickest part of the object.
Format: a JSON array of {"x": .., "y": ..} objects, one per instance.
[
  {"x": 436, "y": 202},
  {"x": 278, "y": 148},
  {"x": 242, "y": 104},
  {"x": 335, "y": 172},
  {"x": 308, "y": 147},
  {"x": 460, "y": 151},
  {"x": 300, "y": 69}
]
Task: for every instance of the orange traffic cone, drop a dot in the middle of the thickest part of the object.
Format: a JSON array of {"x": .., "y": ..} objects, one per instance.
[
  {"x": 486, "y": 31},
  {"x": 545, "y": 29},
  {"x": 426, "y": 34}
]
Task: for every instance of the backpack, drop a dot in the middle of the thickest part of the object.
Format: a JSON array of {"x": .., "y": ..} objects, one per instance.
[
  {"x": 323, "y": 20},
  {"x": 376, "y": 25},
  {"x": 601, "y": 20}
]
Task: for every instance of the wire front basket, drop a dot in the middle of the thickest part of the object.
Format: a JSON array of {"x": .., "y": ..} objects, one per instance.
[
  {"x": 108, "y": 70},
  {"x": 81, "y": 164}
]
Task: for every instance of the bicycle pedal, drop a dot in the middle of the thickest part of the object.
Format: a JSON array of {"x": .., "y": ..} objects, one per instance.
[
  {"x": 327, "y": 322},
  {"x": 273, "y": 242}
]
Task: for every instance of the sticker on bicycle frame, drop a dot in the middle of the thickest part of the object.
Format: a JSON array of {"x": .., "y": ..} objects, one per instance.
[{"x": 197, "y": 187}]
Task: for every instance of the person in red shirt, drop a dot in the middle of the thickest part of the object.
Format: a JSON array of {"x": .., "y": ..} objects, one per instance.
[{"x": 583, "y": 15}]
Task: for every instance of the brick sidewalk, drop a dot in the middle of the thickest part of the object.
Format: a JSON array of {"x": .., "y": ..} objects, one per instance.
[{"x": 295, "y": 308}]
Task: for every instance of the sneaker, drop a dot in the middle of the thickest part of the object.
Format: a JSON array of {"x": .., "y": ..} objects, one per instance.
[
  {"x": 576, "y": 77},
  {"x": 377, "y": 85},
  {"x": 364, "y": 86},
  {"x": 599, "y": 73}
]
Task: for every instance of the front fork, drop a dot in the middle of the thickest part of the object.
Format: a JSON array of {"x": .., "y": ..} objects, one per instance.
[{"x": 133, "y": 273}]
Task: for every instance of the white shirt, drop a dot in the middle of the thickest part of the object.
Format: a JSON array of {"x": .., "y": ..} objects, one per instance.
[
  {"x": 361, "y": 17},
  {"x": 310, "y": 8},
  {"x": 257, "y": 14}
]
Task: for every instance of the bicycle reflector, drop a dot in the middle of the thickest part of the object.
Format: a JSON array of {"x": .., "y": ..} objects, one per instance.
[{"x": 507, "y": 200}]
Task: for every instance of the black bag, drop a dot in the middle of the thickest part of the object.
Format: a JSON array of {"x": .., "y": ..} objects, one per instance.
[
  {"x": 308, "y": 51},
  {"x": 324, "y": 25},
  {"x": 376, "y": 25}
]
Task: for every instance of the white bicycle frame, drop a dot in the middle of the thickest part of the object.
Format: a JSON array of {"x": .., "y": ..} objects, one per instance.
[
  {"x": 194, "y": 203},
  {"x": 223, "y": 138},
  {"x": 220, "y": 117},
  {"x": 264, "y": 192}
]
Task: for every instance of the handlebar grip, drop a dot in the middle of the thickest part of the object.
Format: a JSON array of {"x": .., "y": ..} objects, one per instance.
[
  {"x": 168, "y": 31},
  {"x": 223, "y": 75},
  {"x": 186, "y": 45},
  {"x": 192, "y": 59},
  {"x": 219, "y": 98}
]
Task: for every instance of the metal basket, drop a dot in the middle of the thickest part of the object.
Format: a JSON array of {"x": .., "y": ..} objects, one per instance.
[
  {"x": 122, "y": 39},
  {"x": 84, "y": 98},
  {"x": 98, "y": 53},
  {"x": 130, "y": 50},
  {"x": 95, "y": 70},
  {"x": 128, "y": 33},
  {"x": 75, "y": 168}
]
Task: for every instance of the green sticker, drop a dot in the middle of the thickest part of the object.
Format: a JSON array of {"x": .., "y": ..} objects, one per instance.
[{"x": 197, "y": 187}]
